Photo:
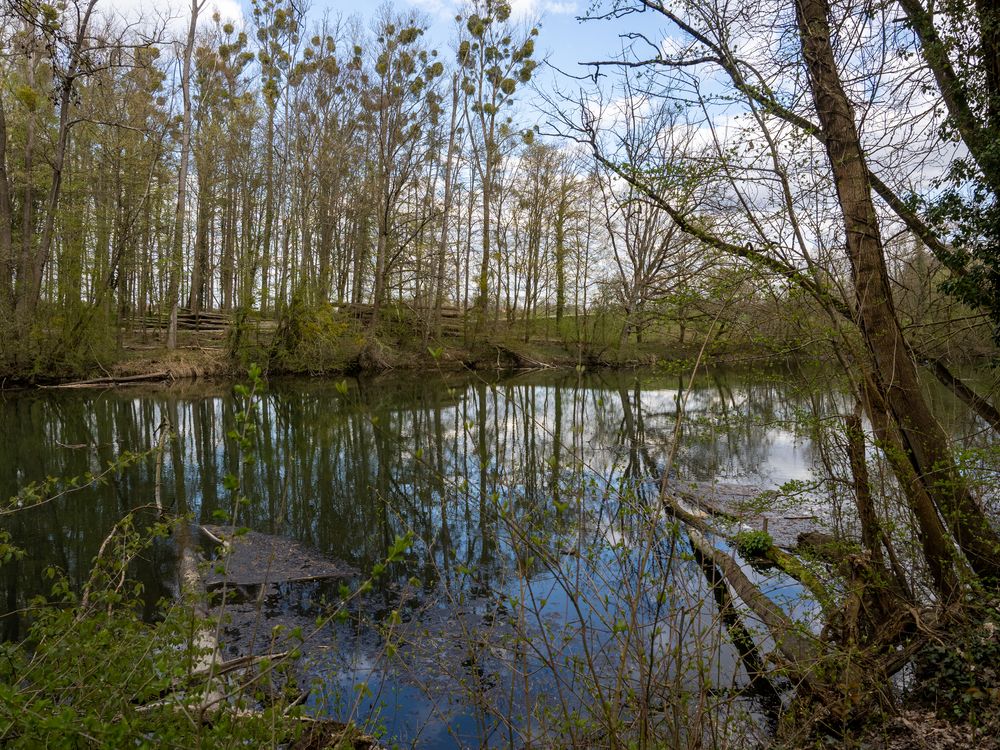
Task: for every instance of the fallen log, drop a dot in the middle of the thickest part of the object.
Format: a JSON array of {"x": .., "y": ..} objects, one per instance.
[
  {"x": 746, "y": 646},
  {"x": 794, "y": 567},
  {"x": 203, "y": 646},
  {"x": 699, "y": 514},
  {"x": 801, "y": 651},
  {"x": 114, "y": 380},
  {"x": 834, "y": 687}
]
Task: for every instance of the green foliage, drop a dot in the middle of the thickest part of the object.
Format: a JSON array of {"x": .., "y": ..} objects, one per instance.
[
  {"x": 8, "y": 551},
  {"x": 50, "y": 488},
  {"x": 314, "y": 340},
  {"x": 71, "y": 341},
  {"x": 960, "y": 677},
  {"x": 92, "y": 674},
  {"x": 242, "y": 344},
  {"x": 27, "y": 96},
  {"x": 752, "y": 544},
  {"x": 789, "y": 496}
]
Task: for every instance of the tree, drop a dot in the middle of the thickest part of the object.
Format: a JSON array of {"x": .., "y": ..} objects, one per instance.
[
  {"x": 237, "y": 116},
  {"x": 961, "y": 49},
  {"x": 6, "y": 224},
  {"x": 277, "y": 29},
  {"x": 71, "y": 52},
  {"x": 62, "y": 57},
  {"x": 567, "y": 194},
  {"x": 398, "y": 107},
  {"x": 652, "y": 259},
  {"x": 889, "y": 360},
  {"x": 446, "y": 207},
  {"x": 894, "y": 371},
  {"x": 177, "y": 247},
  {"x": 493, "y": 65},
  {"x": 210, "y": 75},
  {"x": 806, "y": 209}
]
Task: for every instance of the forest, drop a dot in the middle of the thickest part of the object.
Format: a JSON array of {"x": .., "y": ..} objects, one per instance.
[
  {"x": 705, "y": 318},
  {"x": 292, "y": 168},
  {"x": 304, "y": 173}
]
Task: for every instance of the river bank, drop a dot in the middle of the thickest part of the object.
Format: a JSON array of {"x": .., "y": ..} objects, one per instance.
[
  {"x": 332, "y": 340},
  {"x": 349, "y": 351}
]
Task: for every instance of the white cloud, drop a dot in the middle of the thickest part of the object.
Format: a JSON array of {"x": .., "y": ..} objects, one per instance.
[
  {"x": 171, "y": 13},
  {"x": 436, "y": 7},
  {"x": 561, "y": 8},
  {"x": 520, "y": 9},
  {"x": 535, "y": 8}
]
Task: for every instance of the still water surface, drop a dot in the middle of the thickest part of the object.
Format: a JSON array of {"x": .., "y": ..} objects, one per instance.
[{"x": 528, "y": 497}]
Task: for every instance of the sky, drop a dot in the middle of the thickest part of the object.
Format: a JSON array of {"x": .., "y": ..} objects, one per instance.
[{"x": 563, "y": 40}]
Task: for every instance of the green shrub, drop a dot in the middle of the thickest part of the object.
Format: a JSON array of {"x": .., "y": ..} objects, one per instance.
[
  {"x": 314, "y": 340},
  {"x": 753, "y": 543},
  {"x": 243, "y": 340},
  {"x": 91, "y": 673},
  {"x": 960, "y": 677}
]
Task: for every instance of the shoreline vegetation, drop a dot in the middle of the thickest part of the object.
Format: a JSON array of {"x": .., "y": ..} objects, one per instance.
[
  {"x": 295, "y": 192},
  {"x": 333, "y": 343},
  {"x": 332, "y": 340}
]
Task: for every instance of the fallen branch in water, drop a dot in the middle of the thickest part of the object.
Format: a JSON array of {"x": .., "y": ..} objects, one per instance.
[
  {"x": 240, "y": 662},
  {"x": 801, "y": 650},
  {"x": 162, "y": 375},
  {"x": 789, "y": 564}
]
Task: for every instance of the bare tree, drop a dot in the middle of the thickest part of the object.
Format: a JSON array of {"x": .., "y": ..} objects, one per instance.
[{"x": 177, "y": 247}]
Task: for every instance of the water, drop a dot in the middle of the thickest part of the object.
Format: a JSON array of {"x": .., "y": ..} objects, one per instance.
[{"x": 542, "y": 578}]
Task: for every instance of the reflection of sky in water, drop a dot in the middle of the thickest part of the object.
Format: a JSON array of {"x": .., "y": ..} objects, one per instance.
[
  {"x": 787, "y": 458},
  {"x": 562, "y": 455}
]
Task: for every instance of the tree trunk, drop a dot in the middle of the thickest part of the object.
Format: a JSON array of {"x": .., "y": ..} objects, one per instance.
[
  {"x": 446, "y": 208},
  {"x": 935, "y": 52},
  {"x": 938, "y": 550},
  {"x": 560, "y": 253},
  {"x": 265, "y": 258},
  {"x": 983, "y": 408},
  {"x": 21, "y": 290},
  {"x": 196, "y": 299},
  {"x": 379, "y": 291},
  {"x": 58, "y": 160},
  {"x": 483, "y": 289},
  {"x": 870, "y": 527},
  {"x": 6, "y": 224},
  {"x": 177, "y": 251},
  {"x": 227, "y": 261},
  {"x": 925, "y": 441}
]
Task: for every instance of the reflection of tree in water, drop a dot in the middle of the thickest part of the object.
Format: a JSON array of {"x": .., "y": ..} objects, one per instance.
[
  {"x": 347, "y": 474},
  {"x": 730, "y": 428},
  {"x": 473, "y": 466}
]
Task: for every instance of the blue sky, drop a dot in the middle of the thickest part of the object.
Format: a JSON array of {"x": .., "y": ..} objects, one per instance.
[
  {"x": 563, "y": 39},
  {"x": 567, "y": 40}
]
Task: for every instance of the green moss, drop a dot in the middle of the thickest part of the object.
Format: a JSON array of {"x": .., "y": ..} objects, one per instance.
[{"x": 753, "y": 543}]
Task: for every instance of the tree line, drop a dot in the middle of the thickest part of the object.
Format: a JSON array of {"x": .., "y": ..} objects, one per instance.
[
  {"x": 829, "y": 132},
  {"x": 241, "y": 166}
]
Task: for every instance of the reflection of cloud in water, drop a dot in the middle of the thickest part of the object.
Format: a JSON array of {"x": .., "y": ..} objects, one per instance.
[
  {"x": 473, "y": 468},
  {"x": 787, "y": 458}
]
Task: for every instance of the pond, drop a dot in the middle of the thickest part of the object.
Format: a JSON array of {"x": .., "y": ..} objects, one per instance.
[{"x": 543, "y": 584}]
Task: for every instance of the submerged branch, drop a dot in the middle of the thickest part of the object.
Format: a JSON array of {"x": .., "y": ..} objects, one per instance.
[{"x": 803, "y": 651}]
